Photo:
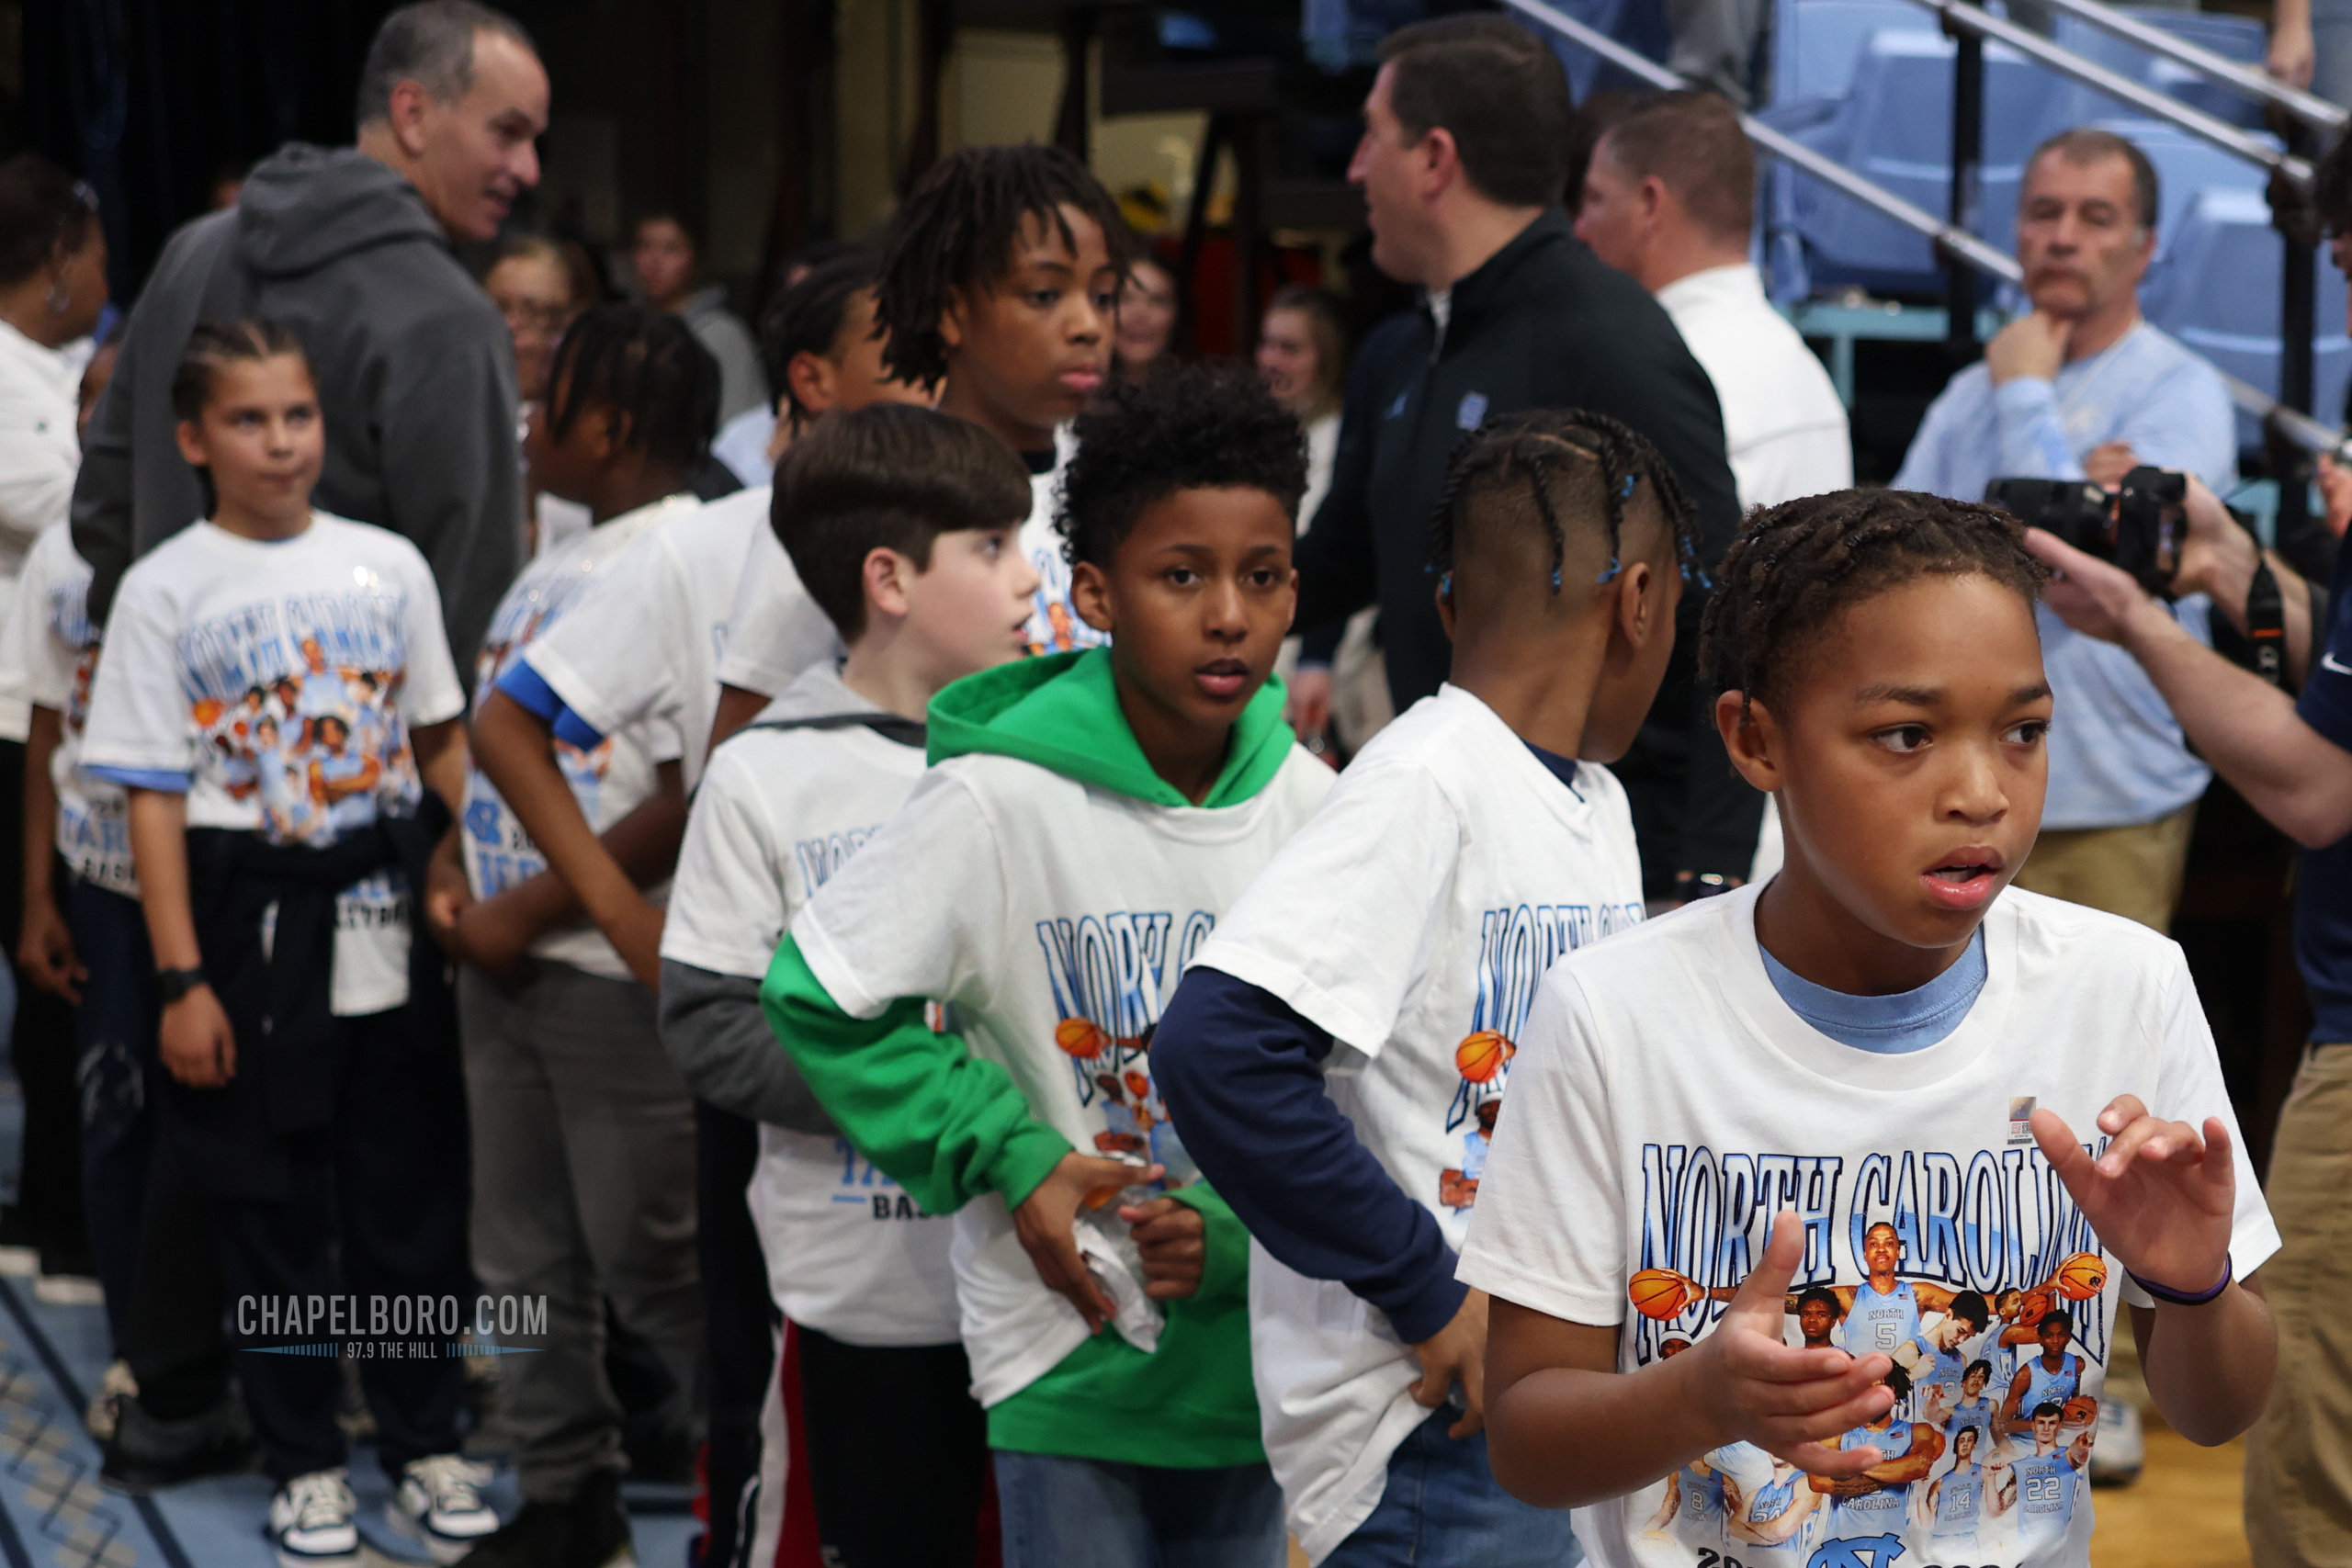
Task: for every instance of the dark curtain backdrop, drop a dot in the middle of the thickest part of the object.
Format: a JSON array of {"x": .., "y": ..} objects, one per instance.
[{"x": 151, "y": 100}]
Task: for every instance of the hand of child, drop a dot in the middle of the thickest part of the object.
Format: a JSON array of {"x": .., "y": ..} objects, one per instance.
[
  {"x": 493, "y": 934},
  {"x": 1785, "y": 1400},
  {"x": 1456, "y": 1353},
  {"x": 1173, "y": 1239},
  {"x": 2160, "y": 1198},
  {"x": 196, "y": 1043},
  {"x": 47, "y": 952},
  {"x": 448, "y": 894},
  {"x": 1043, "y": 1222}
]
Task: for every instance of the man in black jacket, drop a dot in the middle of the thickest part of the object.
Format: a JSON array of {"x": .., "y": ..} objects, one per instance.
[{"x": 1465, "y": 152}]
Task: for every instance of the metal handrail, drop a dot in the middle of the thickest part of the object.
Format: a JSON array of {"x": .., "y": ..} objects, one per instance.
[
  {"x": 2229, "y": 138},
  {"x": 2231, "y": 73},
  {"x": 2297, "y": 426}
]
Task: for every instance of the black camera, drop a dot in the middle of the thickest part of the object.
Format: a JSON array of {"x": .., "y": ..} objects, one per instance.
[{"x": 2138, "y": 527}]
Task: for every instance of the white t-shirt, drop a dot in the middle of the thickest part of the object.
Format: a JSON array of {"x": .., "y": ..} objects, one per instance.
[
  {"x": 1413, "y": 918},
  {"x": 39, "y": 455},
  {"x": 1022, "y": 898},
  {"x": 609, "y": 780},
  {"x": 276, "y": 682},
  {"x": 48, "y": 651},
  {"x": 645, "y": 646},
  {"x": 775, "y": 629},
  {"x": 849, "y": 1253},
  {"x": 774, "y": 640},
  {"x": 1785, "y": 428},
  {"x": 1668, "y": 1103}
]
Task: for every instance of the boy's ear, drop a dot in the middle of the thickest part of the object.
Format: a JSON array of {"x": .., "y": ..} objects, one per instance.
[
  {"x": 951, "y": 320},
  {"x": 1444, "y": 594},
  {"x": 886, "y": 574},
  {"x": 811, "y": 377},
  {"x": 1640, "y": 609},
  {"x": 1752, "y": 736},
  {"x": 190, "y": 440},
  {"x": 1089, "y": 594}
]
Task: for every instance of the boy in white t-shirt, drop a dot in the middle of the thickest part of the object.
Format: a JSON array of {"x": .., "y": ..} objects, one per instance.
[
  {"x": 314, "y": 1096},
  {"x": 904, "y": 522},
  {"x": 999, "y": 291},
  {"x": 583, "y": 1134},
  {"x": 823, "y": 353},
  {"x": 1337, "y": 1055},
  {"x": 1087, "y": 820},
  {"x": 1753, "y": 1092}
]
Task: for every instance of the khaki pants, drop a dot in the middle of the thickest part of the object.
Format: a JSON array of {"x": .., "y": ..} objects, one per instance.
[
  {"x": 2134, "y": 872},
  {"x": 2299, "y": 1456}
]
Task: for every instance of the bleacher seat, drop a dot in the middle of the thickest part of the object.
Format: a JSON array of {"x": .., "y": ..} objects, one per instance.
[
  {"x": 1816, "y": 42},
  {"x": 2232, "y": 37},
  {"x": 2219, "y": 293},
  {"x": 1894, "y": 127}
]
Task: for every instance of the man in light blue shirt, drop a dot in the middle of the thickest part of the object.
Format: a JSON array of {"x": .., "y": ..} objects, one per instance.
[{"x": 2084, "y": 388}]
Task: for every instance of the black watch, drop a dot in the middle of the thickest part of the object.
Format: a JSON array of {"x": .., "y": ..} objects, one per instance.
[{"x": 171, "y": 985}]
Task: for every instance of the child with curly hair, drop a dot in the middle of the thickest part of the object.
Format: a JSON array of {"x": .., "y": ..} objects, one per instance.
[{"x": 1086, "y": 819}]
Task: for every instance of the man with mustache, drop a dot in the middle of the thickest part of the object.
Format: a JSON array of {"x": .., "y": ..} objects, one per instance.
[
  {"x": 2084, "y": 386},
  {"x": 350, "y": 247}
]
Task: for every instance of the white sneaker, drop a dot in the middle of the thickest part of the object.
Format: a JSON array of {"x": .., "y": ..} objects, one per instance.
[
  {"x": 438, "y": 1504},
  {"x": 310, "y": 1524},
  {"x": 2121, "y": 1446},
  {"x": 105, "y": 1412}
]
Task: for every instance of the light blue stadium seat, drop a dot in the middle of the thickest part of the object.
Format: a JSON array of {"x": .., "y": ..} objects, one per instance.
[
  {"x": 2232, "y": 37},
  {"x": 2219, "y": 294},
  {"x": 1895, "y": 127},
  {"x": 1816, "y": 42}
]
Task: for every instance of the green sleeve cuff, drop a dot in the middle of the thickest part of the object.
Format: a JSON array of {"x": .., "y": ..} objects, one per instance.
[
  {"x": 1028, "y": 1158},
  {"x": 1225, "y": 1268},
  {"x": 938, "y": 1121}
]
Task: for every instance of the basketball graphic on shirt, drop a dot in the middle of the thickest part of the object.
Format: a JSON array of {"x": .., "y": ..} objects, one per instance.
[
  {"x": 2080, "y": 1410},
  {"x": 1080, "y": 1037},
  {"x": 1482, "y": 1055},
  {"x": 1660, "y": 1293},
  {"x": 2033, "y": 1307},
  {"x": 2082, "y": 1277}
]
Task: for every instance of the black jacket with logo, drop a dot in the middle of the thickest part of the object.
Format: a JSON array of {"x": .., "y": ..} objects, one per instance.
[{"x": 1544, "y": 323}]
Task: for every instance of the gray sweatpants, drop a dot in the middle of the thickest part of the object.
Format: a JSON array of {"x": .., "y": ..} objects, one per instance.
[{"x": 584, "y": 1146}]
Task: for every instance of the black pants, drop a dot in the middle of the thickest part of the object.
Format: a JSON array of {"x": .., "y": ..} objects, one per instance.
[
  {"x": 48, "y": 1190},
  {"x": 897, "y": 1451},
  {"x": 383, "y": 1191},
  {"x": 116, "y": 1079},
  {"x": 173, "y": 1335},
  {"x": 738, "y": 1324}
]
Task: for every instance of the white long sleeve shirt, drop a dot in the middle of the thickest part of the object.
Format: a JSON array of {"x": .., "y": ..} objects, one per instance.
[{"x": 38, "y": 456}]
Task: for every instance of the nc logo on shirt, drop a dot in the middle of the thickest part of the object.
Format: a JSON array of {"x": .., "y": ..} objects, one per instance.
[
  {"x": 1863, "y": 1552},
  {"x": 1516, "y": 946},
  {"x": 1471, "y": 412},
  {"x": 1110, "y": 974}
]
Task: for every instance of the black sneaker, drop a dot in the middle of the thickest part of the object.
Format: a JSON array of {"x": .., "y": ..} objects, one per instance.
[
  {"x": 147, "y": 1454},
  {"x": 591, "y": 1531}
]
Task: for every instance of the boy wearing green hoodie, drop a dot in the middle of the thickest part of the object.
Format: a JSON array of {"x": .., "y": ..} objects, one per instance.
[{"x": 1087, "y": 817}]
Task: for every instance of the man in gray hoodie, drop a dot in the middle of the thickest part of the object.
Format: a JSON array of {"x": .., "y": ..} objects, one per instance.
[{"x": 350, "y": 247}]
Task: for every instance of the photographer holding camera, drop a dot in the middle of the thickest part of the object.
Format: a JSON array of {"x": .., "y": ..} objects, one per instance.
[
  {"x": 2083, "y": 387},
  {"x": 2291, "y": 758}
]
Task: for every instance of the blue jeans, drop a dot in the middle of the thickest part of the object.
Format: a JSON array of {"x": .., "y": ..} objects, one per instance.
[
  {"x": 1061, "y": 1512},
  {"x": 1442, "y": 1508}
]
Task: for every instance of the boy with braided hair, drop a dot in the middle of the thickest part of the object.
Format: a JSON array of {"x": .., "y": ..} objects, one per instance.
[
  {"x": 1885, "y": 1033},
  {"x": 1337, "y": 1056}
]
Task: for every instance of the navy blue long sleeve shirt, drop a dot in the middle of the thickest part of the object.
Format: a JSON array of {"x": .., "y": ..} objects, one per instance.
[{"x": 1242, "y": 1076}]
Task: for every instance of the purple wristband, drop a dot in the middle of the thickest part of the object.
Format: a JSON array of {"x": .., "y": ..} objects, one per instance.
[{"x": 2175, "y": 1297}]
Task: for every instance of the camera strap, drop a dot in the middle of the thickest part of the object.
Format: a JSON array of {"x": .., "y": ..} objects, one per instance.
[{"x": 2266, "y": 624}]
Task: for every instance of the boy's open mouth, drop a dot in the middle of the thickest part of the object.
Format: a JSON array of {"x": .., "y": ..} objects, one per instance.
[
  {"x": 1965, "y": 878},
  {"x": 1223, "y": 678}
]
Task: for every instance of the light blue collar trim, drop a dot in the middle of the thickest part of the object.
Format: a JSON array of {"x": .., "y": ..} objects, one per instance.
[{"x": 1912, "y": 1020}]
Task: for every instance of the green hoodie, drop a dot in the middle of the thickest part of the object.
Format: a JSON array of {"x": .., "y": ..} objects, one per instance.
[{"x": 949, "y": 1126}]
